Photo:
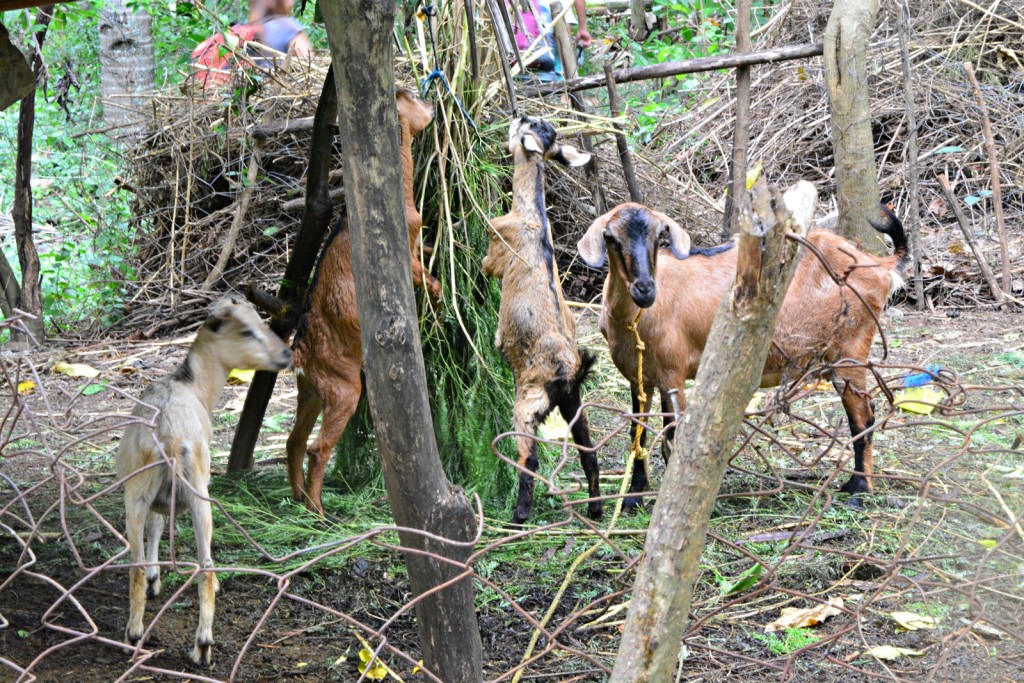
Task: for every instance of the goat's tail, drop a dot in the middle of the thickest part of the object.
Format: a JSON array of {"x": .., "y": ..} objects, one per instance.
[
  {"x": 893, "y": 227},
  {"x": 587, "y": 361}
]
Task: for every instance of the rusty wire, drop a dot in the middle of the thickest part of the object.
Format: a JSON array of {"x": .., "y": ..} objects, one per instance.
[{"x": 895, "y": 558}]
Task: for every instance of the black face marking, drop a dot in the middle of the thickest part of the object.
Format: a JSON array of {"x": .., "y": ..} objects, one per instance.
[
  {"x": 542, "y": 130},
  {"x": 247, "y": 333},
  {"x": 214, "y": 324}
]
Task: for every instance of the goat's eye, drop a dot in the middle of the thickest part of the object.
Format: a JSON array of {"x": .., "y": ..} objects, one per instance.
[{"x": 246, "y": 332}]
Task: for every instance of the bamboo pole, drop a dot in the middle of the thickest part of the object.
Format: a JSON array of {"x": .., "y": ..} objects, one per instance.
[{"x": 740, "y": 140}]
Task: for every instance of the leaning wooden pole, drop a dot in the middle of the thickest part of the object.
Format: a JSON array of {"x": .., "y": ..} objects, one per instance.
[
  {"x": 912, "y": 221},
  {"x": 616, "y": 107},
  {"x": 684, "y": 66},
  {"x": 315, "y": 219},
  {"x": 740, "y": 139},
  {"x": 420, "y": 495},
  {"x": 729, "y": 373}
]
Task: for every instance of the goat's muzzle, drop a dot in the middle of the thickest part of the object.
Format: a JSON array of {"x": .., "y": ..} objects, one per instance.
[
  {"x": 284, "y": 360},
  {"x": 642, "y": 292}
]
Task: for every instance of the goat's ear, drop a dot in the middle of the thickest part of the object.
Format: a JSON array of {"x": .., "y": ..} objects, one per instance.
[
  {"x": 591, "y": 246},
  {"x": 532, "y": 144},
  {"x": 678, "y": 239},
  {"x": 570, "y": 156}
]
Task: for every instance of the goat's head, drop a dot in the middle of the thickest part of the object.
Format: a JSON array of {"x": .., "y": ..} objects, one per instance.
[
  {"x": 530, "y": 136},
  {"x": 412, "y": 110},
  {"x": 238, "y": 338},
  {"x": 630, "y": 234}
]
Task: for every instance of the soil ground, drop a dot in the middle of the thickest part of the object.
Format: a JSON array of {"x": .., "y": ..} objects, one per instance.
[{"x": 953, "y": 561}]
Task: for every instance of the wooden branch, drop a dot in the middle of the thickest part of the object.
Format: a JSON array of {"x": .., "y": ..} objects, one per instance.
[
  {"x": 615, "y": 104},
  {"x": 729, "y": 373},
  {"x": 300, "y": 125},
  {"x": 986, "y": 272},
  {"x": 741, "y": 135},
  {"x": 993, "y": 167},
  {"x": 293, "y": 205},
  {"x": 685, "y": 66},
  {"x": 241, "y": 208}
]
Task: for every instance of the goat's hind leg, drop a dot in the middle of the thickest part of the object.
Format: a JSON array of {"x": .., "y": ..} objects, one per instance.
[
  {"x": 306, "y": 413},
  {"x": 851, "y": 384},
  {"x": 569, "y": 406},
  {"x": 340, "y": 399},
  {"x": 531, "y": 407}
]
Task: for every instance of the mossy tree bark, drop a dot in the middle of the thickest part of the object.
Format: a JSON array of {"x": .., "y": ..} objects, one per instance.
[
  {"x": 360, "y": 35},
  {"x": 847, "y": 35},
  {"x": 729, "y": 373}
]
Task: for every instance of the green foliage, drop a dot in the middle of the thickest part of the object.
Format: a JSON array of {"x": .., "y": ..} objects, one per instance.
[{"x": 790, "y": 640}]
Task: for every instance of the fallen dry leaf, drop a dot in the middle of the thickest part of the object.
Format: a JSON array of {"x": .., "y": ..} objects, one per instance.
[
  {"x": 888, "y": 652},
  {"x": 75, "y": 369},
  {"x": 938, "y": 207},
  {"x": 908, "y": 621},
  {"x": 794, "y": 617}
]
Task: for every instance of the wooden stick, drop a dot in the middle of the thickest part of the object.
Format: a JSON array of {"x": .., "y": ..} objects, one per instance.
[
  {"x": 986, "y": 272},
  {"x": 908, "y": 104},
  {"x": 993, "y": 166},
  {"x": 738, "y": 167},
  {"x": 615, "y": 103},
  {"x": 685, "y": 66}
]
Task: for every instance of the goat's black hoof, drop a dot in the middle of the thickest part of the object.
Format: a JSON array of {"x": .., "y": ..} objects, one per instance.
[
  {"x": 595, "y": 510},
  {"x": 855, "y": 502},
  {"x": 632, "y": 504}
]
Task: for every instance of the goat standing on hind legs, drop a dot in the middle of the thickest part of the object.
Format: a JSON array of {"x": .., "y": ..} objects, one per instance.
[
  {"x": 536, "y": 331},
  {"x": 232, "y": 337},
  {"x": 680, "y": 291},
  {"x": 327, "y": 347}
]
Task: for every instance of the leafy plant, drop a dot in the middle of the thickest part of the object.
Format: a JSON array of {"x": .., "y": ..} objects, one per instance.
[{"x": 788, "y": 641}]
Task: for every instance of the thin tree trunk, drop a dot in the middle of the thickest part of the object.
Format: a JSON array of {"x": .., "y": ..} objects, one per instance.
[
  {"x": 729, "y": 373},
  {"x": 316, "y": 217},
  {"x": 913, "y": 219},
  {"x": 29, "y": 294},
  {"x": 126, "y": 65},
  {"x": 638, "y": 20},
  {"x": 738, "y": 168},
  {"x": 847, "y": 35},
  {"x": 360, "y": 35}
]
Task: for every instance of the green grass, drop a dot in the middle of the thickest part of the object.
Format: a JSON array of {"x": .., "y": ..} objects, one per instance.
[{"x": 788, "y": 641}]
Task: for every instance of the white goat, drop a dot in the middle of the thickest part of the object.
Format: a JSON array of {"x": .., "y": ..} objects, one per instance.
[{"x": 179, "y": 434}]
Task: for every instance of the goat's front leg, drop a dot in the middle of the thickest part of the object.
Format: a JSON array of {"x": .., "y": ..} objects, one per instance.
[
  {"x": 640, "y": 481},
  {"x": 340, "y": 396},
  {"x": 422, "y": 279},
  {"x": 202, "y": 524},
  {"x": 531, "y": 406},
  {"x": 154, "y": 530},
  {"x": 135, "y": 514}
]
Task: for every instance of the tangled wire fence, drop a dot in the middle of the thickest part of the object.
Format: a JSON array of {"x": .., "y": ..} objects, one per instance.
[{"x": 943, "y": 542}]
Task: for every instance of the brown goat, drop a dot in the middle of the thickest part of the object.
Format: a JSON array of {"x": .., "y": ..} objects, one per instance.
[
  {"x": 536, "y": 332},
  {"x": 681, "y": 290},
  {"x": 328, "y": 351},
  {"x": 179, "y": 432}
]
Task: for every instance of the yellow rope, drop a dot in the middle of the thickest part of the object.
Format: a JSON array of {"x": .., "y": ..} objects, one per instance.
[{"x": 638, "y": 452}]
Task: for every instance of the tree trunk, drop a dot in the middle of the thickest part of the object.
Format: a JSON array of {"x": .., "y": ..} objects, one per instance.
[
  {"x": 126, "y": 65},
  {"x": 360, "y": 35},
  {"x": 18, "y": 81},
  {"x": 638, "y": 20},
  {"x": 29, "y": 296},
  {"x": 729, "y": 373},
  {"x": 846, "y": 78},
  {"x": 316, "y": 217}
]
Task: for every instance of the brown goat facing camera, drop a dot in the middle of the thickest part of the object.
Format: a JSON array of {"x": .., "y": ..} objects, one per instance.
[
  {"x": 681, "y": 289},
  {"x": 173, "y": 427},
  {"x": 536, "y": 332},
  {"x": 327, "y": 347}
]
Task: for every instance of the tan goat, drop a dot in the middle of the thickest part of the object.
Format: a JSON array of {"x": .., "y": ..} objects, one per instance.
[
  {"x": 174, "y": 427},
  {"x": 536, "y": 331},
  {"x": 681, "y": 290},
  {"x": 328, "y": 350}
]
